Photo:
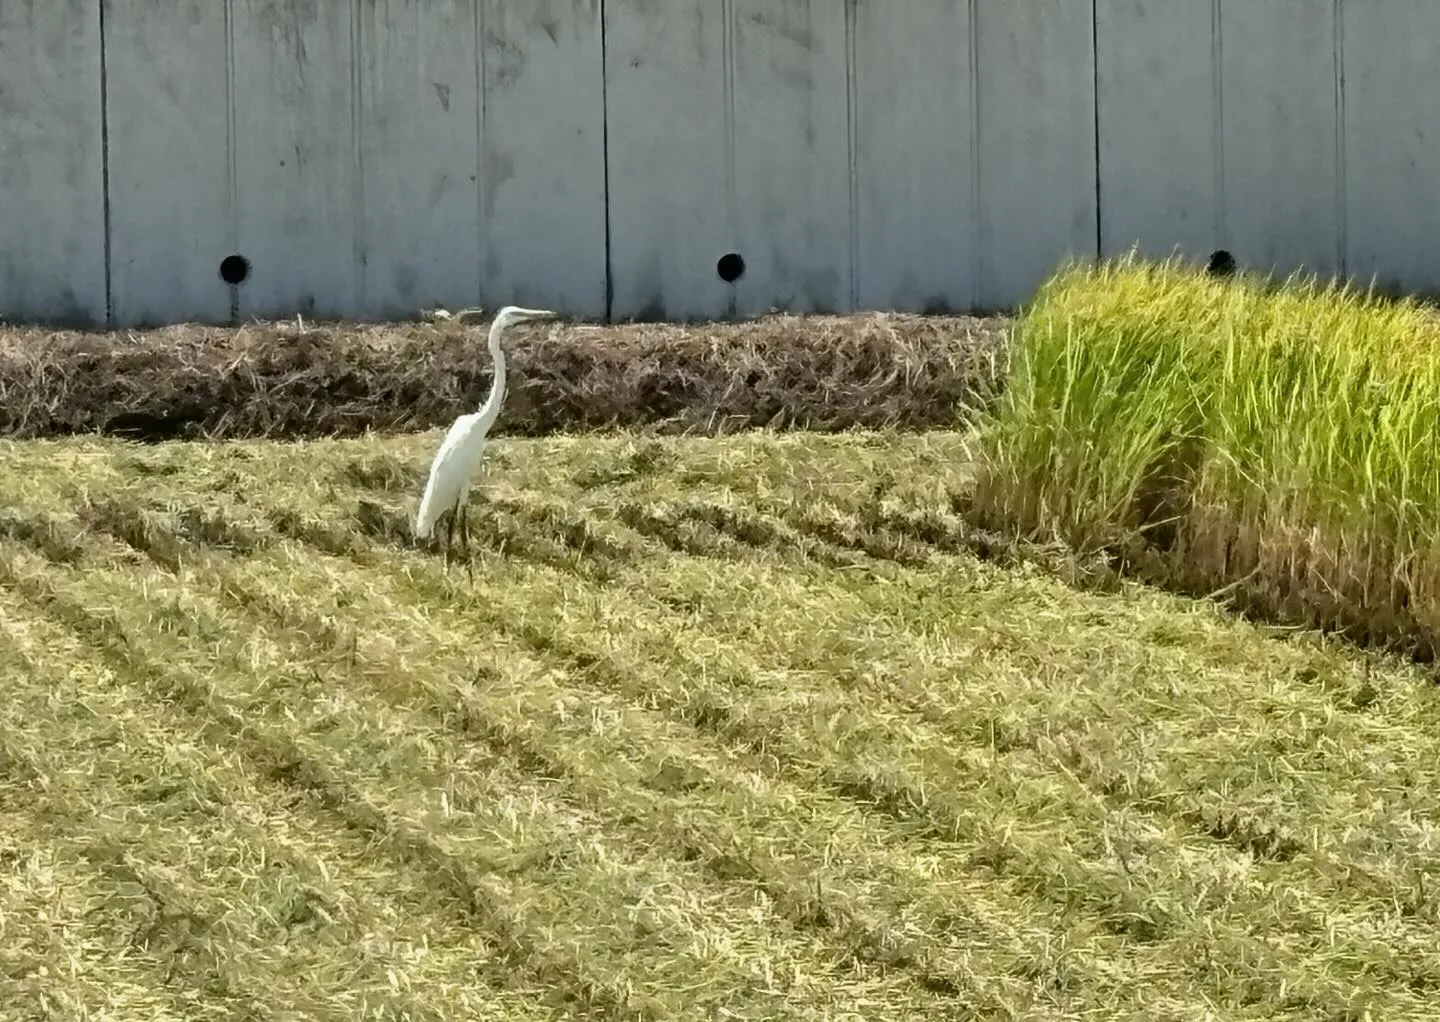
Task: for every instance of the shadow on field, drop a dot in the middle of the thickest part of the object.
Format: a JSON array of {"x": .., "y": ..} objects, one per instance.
[
  {"x": 169, "y": 537},
  {"x": 384, "y": 474},
  {"x": 547, "y": 533},
  {"x": 56, "y": 541}
]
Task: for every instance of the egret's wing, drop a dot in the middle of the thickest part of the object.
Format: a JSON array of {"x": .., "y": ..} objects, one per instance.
[{"x": 446, "y": 476}]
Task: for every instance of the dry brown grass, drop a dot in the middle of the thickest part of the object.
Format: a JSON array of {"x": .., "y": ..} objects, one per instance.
[
  {"x": 286, "y": 380},
  {"x": 735, "y": 728}
]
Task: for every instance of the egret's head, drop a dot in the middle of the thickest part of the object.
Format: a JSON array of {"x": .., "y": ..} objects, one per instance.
[
  {"x": 508, "y": 317},
  {"x": 515, "y": 314}
]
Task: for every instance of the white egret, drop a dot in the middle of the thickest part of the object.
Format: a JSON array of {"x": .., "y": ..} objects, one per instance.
[{"x": 453, "y": 469}]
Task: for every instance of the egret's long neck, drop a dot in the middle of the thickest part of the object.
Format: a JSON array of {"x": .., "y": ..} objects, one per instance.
[{"x": 491, "y": 408}]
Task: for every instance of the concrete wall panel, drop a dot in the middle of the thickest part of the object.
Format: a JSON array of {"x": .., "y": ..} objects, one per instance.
[
  {"x": 52, "y": 206},
  {"x": 1036, "y": 139},
  {"x": 671, "y": 199},
  {"x": 422, "y": 154},
  {"x": 729, "y": 132},
  {"x": 296, "y": 113},
  {"x": 542, "y": 158},
  {"x": 916, "y": 202},
  {"x": 1391, "y": 54},
  {"x": 1158, "y": 116},
  {"x": 172, "y": 213},
  {"x": 1281, "y": 201},
  {"x": 419, "y": 156}
]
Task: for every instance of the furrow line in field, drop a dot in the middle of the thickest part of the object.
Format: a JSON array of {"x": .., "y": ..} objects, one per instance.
[
  {"x": 481, "y": 890},
  {"x": 520, "y": 720},
  {"x": 1111, "y": 884},
  {"x": 336, "y": 872},
  {"x": 148, "y": 842},
  {"x": 672, "y": 788},
  {"x": 522, "y": 913}
]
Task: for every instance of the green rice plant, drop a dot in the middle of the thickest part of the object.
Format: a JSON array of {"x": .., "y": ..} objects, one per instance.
[{"x": 1274, "y": 440}]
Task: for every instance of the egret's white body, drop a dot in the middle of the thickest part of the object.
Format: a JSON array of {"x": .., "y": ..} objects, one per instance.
[{"x": 455, "y": 464}]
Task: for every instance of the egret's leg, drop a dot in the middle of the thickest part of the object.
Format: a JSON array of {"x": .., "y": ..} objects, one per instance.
[
  {"x": 462, "y": 508},
  {"x": 449, "y": 535},
  {"x": 465, "y": 541}
]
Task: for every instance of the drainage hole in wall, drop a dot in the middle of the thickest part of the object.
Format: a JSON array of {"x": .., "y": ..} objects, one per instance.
[
  {"x": 1221, "y": 264},
  {"x": 730, "y": 267},
  {"x": 234, "y": 269}
]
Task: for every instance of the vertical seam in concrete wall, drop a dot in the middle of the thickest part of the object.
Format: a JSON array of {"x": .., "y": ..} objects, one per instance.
[
  {"x": 977, "y": 257},
  {"x": 105, "y": 218},
  {"x": 1342, "y": 184},
  {"x": 605, "y": 160},
  {"x": 1217, "y": 32},
  {"x": 1095, "y": 111},
  {"x": 727, "y": 51},
  {"x": 852, "y": 72},
  {"x": 481, "y": 225},
  {"x": 357, "y": 107},
  {"x": 232, "y": 175}
]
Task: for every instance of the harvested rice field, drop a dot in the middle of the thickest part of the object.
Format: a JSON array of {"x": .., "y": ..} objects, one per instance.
[{"x": 753, "y": 727}]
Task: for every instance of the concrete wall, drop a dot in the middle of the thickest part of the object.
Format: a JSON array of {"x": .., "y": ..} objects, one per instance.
[
  {"x": 52, "y": 192},
  {"x": 1219, "y": 128},
  {"x": 368, "y": 158}
]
